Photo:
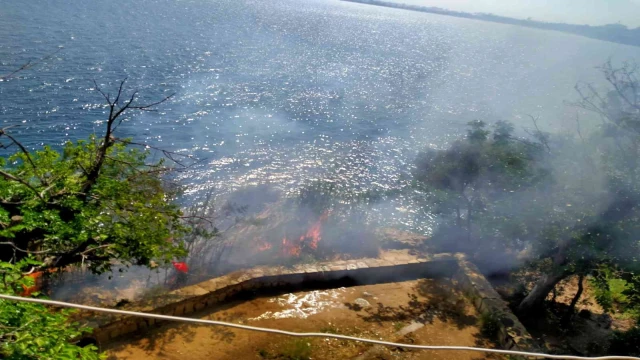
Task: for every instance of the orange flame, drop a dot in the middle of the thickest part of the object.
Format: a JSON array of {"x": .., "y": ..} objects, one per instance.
[
  {"x": 290, "y": 248},
  {"x": 311, "y": 238},
  {"x": 261, "y": 244},
  {"x": 37, "y": 285},
  {"x": 38, "y": 281},
  {"x": 264, "y": 246}
]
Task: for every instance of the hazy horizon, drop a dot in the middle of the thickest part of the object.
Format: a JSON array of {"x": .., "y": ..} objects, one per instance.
[{"x": 591, "y": 12}]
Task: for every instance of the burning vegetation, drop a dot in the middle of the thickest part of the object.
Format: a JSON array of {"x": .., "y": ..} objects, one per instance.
[{"x": 309, "y": 240}]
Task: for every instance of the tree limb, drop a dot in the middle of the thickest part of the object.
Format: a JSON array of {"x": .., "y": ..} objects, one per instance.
[
  {"x": 114, "y": 120},
  {"x": 25, "y": 152},
  {"x": 22, "y": 250},
  {"x": 8, "y": 176},
  {"x": 540, "y": 134}
]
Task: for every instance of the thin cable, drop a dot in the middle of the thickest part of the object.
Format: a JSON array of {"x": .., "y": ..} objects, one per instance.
[{"x": 296, "y": 334}]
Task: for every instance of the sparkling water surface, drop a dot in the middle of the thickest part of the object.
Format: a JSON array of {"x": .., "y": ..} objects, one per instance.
[{"x": 285, "y": 91}]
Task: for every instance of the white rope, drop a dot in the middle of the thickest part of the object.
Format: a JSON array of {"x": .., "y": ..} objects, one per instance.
[{"x": 296, "y": 334}]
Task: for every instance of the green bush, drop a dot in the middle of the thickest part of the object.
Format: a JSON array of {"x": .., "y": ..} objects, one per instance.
[
  {"x": 489, "y": 326},
  {"x": 32, "y": 331},
  {"x": 299, "y": 349},
  {"x": 92, "y": 202}
]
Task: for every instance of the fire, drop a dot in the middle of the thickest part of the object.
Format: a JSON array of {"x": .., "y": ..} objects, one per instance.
[
  {"x": 313, "y": 234},
  {"x": 310, "y": 239},
  {"x": 263, "y": 245},
  {"x": 37, "y": 284},
  {"x": 293, "y": 246},
  {"x": 290, "y": 248}
]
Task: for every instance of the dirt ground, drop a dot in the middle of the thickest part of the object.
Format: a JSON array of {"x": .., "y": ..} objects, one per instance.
[
  {"x": 590, "y": 328},
  {"x": 566, "y": 291},
  {"x": 420, "y": 312}
]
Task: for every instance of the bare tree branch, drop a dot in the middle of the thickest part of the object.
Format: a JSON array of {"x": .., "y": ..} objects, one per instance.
[
  {"x": 105, "y": 96},
  {"x": 620, "y": 81},
  {"x": 52, "y": 196},
  {"x": 539, "y": 134},
  {"x": 22, "y": 250},
  {"x": 97, "y": 248},
  {"x": 171, "y": 155},
  {"x": 8, "y": 176},
  {"x": 120, "y": 90},
  {"x": 26, "y": 153},
  {"x": 116, "y": 110}
]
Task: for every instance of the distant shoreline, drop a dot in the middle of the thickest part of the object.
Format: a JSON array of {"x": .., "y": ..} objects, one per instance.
[{"x": 616, "y": 33}]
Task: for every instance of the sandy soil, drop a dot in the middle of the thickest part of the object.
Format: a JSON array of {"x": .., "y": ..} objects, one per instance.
[{"x": 439, "y": 314}]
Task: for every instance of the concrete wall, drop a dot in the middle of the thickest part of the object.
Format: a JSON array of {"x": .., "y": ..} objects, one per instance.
[
  {"x": 265, "y": 280},
  {"x": 270, "y": 280},
  {"x": 512, "y": 335}
]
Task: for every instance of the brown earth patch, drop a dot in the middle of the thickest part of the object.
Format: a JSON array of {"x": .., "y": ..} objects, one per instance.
[{"x": 435, "y": 312}]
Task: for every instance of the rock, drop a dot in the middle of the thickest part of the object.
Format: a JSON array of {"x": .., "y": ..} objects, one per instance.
[
  {"x": 362, "y": 302},
  {"x": 410, "y": 328},
  {"x": 367, "y": 294},
  {"x": 123, "y": 302}
]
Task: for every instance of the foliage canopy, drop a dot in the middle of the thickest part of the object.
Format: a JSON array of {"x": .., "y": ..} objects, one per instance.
[{"x": 93, "y": 202}]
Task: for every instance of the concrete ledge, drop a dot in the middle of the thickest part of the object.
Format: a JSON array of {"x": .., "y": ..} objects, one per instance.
[
  {"x": 512, "y": 334},
  {"x": 262, "y": 281},
  {"x": 269, "y": 280}
]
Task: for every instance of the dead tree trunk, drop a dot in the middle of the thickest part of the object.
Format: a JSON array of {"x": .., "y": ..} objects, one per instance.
[
  {"x": 546, "y": 283},
  {"x": 539, "y": 292}
]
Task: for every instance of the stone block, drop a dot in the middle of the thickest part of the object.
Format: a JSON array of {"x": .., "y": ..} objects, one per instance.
[
  {"x": 115, "y": 333},
  {"x": 372, "y": 263},
  {"x": 399, "y": 261},
  {"x": 494, "y": 306},
  {"x": 255, "y": 273},
  {"x": 232, "y": 290},
  {"x": 249, "y": 284},
  {"x": 211, "y": 285},
  {"x": 188, "y": 307},
  {"x": 272, "y": 271},
  {"x": 310, "y": 269},
  {"x": 222, "y": 296},
  {"x": 129, "y": 327},
  {"x": 199, "y": 305},
  {"x": 179, "y": 310}
]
